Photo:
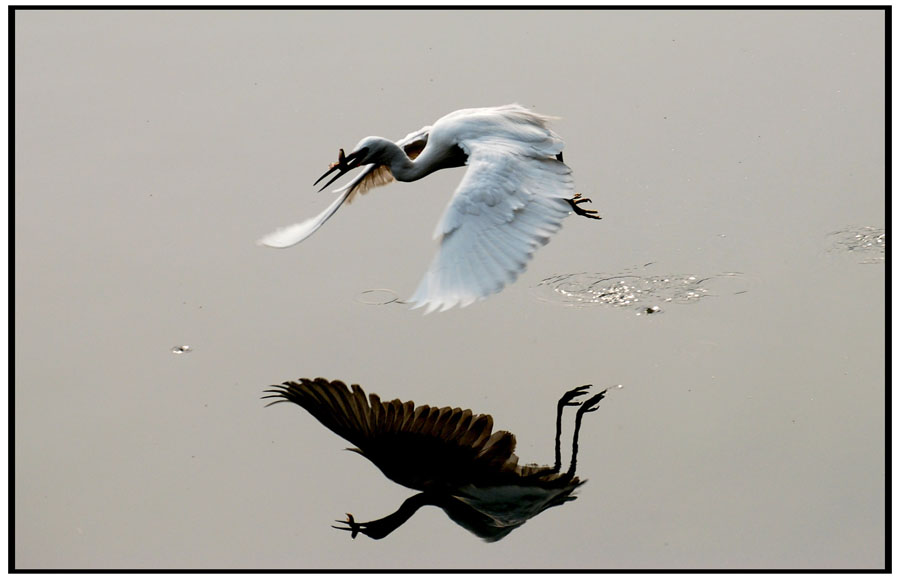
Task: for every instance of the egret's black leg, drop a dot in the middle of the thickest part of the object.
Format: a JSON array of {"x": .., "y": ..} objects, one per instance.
[
  {"x": 559, "y": 157},
  {"x": 577, "y": 200},
  {"x": 590, "y": 405},
  {"x": 565, "y": 400}
]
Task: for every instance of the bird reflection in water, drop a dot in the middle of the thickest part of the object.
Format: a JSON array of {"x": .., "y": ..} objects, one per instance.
[{"x": 448, "y": 454}]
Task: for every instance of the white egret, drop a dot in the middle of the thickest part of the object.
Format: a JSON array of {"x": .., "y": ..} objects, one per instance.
[
  {"x": 512, "y": 198},
  {"x": 449, "y": 454}
]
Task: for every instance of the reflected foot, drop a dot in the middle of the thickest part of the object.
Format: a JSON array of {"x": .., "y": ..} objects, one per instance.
[
  {"x": 591, "y": 404},
  {"x": 576, "y": 201},
  {"x": 374, "y": 529},
  {"x": 568, "y": 397},
  {"x": 352, "y": 526}
]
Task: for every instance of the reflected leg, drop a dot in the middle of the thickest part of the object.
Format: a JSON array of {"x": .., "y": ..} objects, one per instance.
[
  {"x": 590, "y": 405},
  {"x": 565, "y": 400},
  {"x": 384, "y": 526}
]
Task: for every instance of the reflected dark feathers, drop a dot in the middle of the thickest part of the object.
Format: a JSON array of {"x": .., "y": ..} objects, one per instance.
[{"x": 417, "y": 446}]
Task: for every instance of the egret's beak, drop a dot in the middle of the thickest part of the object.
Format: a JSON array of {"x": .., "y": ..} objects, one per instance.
[{"x": 344, "y": 164}]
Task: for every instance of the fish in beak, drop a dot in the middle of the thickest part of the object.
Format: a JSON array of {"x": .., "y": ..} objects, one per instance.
[{"x": 343, "y": 164}]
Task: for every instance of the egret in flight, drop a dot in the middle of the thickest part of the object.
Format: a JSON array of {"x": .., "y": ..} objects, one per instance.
[
  {"x": 450, "y": 455},
  {"x": 512, "y": 198}
]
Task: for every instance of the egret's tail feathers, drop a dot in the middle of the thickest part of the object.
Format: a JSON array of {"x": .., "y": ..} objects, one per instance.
[{"x": 294, "y": 234}]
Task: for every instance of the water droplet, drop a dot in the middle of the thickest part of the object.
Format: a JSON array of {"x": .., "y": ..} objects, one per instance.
[{"x": 181, "y": 349}]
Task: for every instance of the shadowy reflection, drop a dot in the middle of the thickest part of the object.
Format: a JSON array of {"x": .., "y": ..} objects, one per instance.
[{"x": 449, "y": 454}]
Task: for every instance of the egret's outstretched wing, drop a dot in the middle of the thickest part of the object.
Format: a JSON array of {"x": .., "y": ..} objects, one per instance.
[
  {"x": 371, "y": 176},
  {"x": 510, "y": 201}
]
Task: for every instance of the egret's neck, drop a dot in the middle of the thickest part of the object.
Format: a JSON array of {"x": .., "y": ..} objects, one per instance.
[{"x": 405, "y": 169}]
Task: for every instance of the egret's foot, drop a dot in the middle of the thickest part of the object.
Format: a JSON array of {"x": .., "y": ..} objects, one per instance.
[
  {"x": 576, "y": 201},
  {"x": 568, "y": 397},
  {"x": 352, "y": 526}
]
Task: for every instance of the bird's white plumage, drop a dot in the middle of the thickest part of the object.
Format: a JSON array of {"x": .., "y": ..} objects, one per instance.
[
  {"x": 371, "y": 176},
  {"x": 376, "y": 175},
  {"x": 294, "y": 234},
  {"x": 510, "y": 201}
]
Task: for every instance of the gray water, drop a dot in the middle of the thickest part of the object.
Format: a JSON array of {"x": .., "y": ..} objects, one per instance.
[{"x": 154, "y": 148}]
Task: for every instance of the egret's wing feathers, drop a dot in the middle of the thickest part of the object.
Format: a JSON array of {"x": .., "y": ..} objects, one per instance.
[
  {"x": 294, "y": 234},
  {"x": 510, "y": 201},
  {"x": 371, "y": 176}
]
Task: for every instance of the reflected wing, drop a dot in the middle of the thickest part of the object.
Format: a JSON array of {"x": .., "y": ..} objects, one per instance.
[
  {"x": 416, "y": 446},
  {"x": 509, "y": 203},
  {"x": 371, "y": 176}
]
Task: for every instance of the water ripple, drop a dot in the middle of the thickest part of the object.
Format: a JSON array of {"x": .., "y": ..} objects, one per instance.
[
  {"x": 378, "y": 297},
  {"x": 868, "y": 243},
  {"x": 646, "y": 294}
]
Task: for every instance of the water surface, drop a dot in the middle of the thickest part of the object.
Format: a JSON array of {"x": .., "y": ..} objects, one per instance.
[{"x": 154, "y": 148}]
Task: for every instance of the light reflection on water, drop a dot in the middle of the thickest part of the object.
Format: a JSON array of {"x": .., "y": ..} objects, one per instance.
[
  {"x": 644, "y": 293},
  {"x": 868, "y": 243}
]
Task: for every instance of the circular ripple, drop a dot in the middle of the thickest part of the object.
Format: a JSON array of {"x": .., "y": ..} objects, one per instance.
[{"x": 377, "y": 297}]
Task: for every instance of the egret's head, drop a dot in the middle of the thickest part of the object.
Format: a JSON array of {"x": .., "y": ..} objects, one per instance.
[
  {"x": 370, "y": 150},
  {"x": 366, "y": 151}
]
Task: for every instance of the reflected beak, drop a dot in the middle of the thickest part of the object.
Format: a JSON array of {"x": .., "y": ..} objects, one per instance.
[{"x": 344, "y": 164}]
